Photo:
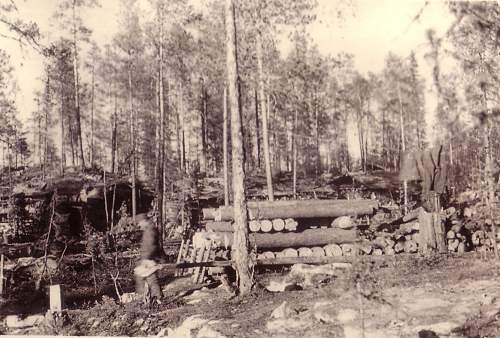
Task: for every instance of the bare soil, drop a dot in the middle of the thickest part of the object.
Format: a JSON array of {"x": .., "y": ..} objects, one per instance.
[{"x": 457, "y": 296}]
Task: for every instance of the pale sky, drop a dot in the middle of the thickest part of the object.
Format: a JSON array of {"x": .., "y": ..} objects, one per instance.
[{"x": 369, "y": 30}]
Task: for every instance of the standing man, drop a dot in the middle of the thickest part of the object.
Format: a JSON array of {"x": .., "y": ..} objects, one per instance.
[{"x": 146, "y": 270}]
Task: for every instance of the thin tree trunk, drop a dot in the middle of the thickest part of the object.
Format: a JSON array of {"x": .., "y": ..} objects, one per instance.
[
  {"x": 203, "y": 108},
  {"x": 132, "y": 140},
  {"x": 403, "y": 147},
  {"x": 240, "y": 247},
  {"x": 318, "y": 155},
  {"x": 161, "y": 158},
  {"x": 92, "y": 121},
  {"x": 488, "y": 172},
  {"x": 182, "y": 145},
  {"x": 177, "y": 130},
  {"x": 77, "y": 90},
  {"x": 40, "y": 161},
  {"x": 257, "y": 133},
  {"x": 294, "y": 150},
  {"x": 114, "y": 135},
  {"x": 46, "y": 133},
  {"x": 265, "y": 134},
  {"x": 61, "y": 117},
  {"x": 224, "y": 148}
]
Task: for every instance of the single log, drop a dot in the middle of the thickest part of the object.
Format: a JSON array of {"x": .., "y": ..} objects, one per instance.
[
  {"x": 461, "y": 248},
  {"x": 289, "y": 252},
  {"x": 302, "y": 209},
  {"x": 408, "y": 228},
  {"x": 453, "y": 244},
  {"x": 266, "y": 225},
  {"x": 309, "y": 237},
  {"x": 389, "y": 243},
  {"x": 318, "y": 251},
  {"x": 290, "y": 261},
  {"x": 291, "y": 224},
  {"x": 332, "y": 250},
  {"x": 410, "y": 246},
  {"x": 366, "y": 248},
  {"x": 343, "y": 222},
  {"x": 219, "y": 226},
  {"x": 477, "y": 236},
  {"x": 305, "y": 252},
  {"x": 389, "y": 251},
  {"x": 209, "y": 213},
  {"x": 412, "y": 215},
  {"x": 266, "y": 255},
  {"x": 348, "y": 249},
  {"x": 379, "y": 242},
  {"x": 399, "y": 247},
  {"x": 254, "y": 226},
  {"x": 278, "y": 224}
]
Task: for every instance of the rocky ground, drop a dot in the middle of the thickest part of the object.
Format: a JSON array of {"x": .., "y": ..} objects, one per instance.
[{"x": 439, "y": 296}]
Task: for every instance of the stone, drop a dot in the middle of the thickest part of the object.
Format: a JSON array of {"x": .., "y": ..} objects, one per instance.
[
  {"x": 184, "y": 330},
  {"x": 129, "y": 297},
  {"x": 347, "y": 315},
  {"x": 15, "y": 322},
  {"x": 208, "y": 332},
  {"x": 325, "y": 312},
  {"x": 286, "y": 324},
  {"x": 280, "y": 286},
  {"x": 441, "y": 329},
  {"x": 281, "y": 311},
  {"x": 162, "y": 332}
]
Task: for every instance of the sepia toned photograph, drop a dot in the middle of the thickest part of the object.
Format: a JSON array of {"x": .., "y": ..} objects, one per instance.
[{"x": 250, "y": 168}]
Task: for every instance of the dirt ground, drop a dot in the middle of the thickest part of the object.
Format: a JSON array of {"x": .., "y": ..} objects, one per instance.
[{"x": 448, "y": 296}]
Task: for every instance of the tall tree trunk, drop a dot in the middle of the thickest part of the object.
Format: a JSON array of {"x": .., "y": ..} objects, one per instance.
[
  {"x": 488, "y": 171},
  {"x": 77, "y": 90},
  {"x": 257, "y": 133},
  {"x": 240, "y": 247},
  {"x": 318, "y": 155},
  {"x": 132, "y": 139},
  {"x": 40, "y": 160},
  {"x": 265, "y": 134},
  {"x": 203, "y": 108},
  {"x": 72, "y": 144},
  {"x": 177, "y": 129},
  {"x": 181, "y": 126},
  {"x": 61, "y": 122},
  {"x": 403, "y": 147},
  {"x": 114, "y": 138},
  {"x": 294, "y": 151},
  {"x": 161, "y": 156},
  {"x": 224, "y": 148},
  {"x": 92, "y": 121}
]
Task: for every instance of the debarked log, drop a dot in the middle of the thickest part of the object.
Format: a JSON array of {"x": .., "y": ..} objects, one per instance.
[
  {"x": 309, "y": 237},
  {"x": 297, "y": 209}
]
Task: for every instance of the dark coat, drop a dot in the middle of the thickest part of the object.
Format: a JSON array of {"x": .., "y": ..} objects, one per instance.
[{"x": 150, "y": 245}]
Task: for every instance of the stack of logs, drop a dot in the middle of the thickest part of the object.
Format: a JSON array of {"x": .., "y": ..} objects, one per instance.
[{"x": 277, "y": 228}]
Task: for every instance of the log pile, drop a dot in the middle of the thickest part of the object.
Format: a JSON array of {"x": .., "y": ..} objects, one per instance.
[{"x": 283, "y": 233}]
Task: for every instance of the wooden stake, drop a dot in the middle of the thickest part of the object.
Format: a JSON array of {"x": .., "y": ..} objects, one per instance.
[{"x": 1, "y": 275}]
